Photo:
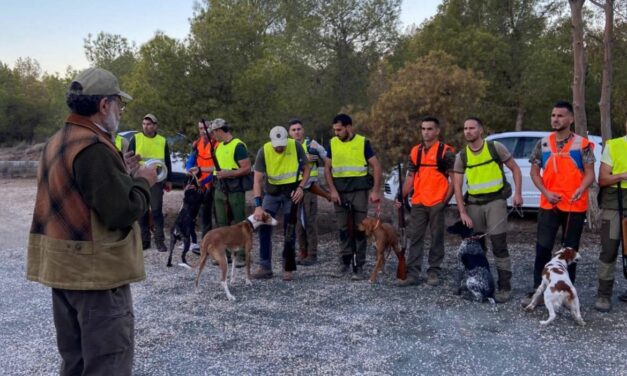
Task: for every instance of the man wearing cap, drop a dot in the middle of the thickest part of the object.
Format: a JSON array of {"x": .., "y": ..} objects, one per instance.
[
  {"x": 150, "y": 145},
  {"x": 278, "y": 168},
  {"x": 232, "y": 179},
  {"x": 84, "y": 240},
  {"x": 346, "y": 173}
]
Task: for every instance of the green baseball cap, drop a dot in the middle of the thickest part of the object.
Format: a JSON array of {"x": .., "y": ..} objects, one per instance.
[{"x": 98, "y": 81}]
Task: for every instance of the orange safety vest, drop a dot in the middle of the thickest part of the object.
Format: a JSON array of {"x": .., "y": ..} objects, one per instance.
[
  {"x": 563, "y": 171},
  {"x": 204, "y": 157},
  {"x": 430, "y": 183}
]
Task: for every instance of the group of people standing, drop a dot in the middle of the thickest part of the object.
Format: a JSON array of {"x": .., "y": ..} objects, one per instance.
[{"x": 86, "y": 244}]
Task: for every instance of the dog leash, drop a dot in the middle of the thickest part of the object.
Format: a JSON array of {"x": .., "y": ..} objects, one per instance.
[{"x": 516, "y": 209}]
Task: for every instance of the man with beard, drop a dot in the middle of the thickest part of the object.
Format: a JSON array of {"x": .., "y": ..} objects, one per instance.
[
  {"x": 352, "y": 187},
  {"x": 84, "y": 241},
  {"x": 484, "y": 207},
  {"x": 567, "y": 164}
]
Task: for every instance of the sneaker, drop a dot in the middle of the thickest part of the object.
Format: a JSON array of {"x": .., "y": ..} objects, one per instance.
[
  {"x": 433, "y": 279},
  {"x": 262, "y": 273},
  {"x": 503, "y": 296},
  {"x": 603, "y": 304},
  {"x": 196, "y": 251},
  {"x": 161, "y": 248},
  {"x": 623, "y": 297},
  {"x": 341, "y": 271},
  {"x": 145, "y": 245},
  {"x": 409, "y": 281},
  {"x": 288, "y": 276},
  {"x": 194, "y": 247},
  {"x": 358, "y": 274},
  {"x": 526, "y": 300},
  {"x": 308, "y": 261}
]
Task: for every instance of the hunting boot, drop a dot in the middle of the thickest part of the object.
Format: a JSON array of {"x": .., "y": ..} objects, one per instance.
[
  {"x": 604, "y": 296},
  {"x": 344, "y": 267},
  {"x": 503, "y": 268},
  {"x": 310, "y": 259},
  {"x": 302, "y": 255}
]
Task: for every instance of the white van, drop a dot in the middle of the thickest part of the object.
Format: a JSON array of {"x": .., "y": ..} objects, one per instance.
[{"x": 520, "y": 144}]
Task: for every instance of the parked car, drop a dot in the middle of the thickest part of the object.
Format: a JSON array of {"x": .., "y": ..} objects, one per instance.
[
  {"x": 176, "y": 142},
  {"x": 521, "y": 145}
]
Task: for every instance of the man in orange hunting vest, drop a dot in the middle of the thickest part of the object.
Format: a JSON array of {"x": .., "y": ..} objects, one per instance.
[
  {"x": 567, "y": 164},
  {"x": 428, "y": 178}
]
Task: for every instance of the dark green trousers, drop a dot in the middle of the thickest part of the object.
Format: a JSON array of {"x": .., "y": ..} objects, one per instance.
[{"x": 95, "y": 331}]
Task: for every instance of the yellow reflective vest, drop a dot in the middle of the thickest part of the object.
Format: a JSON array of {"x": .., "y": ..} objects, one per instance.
[
  {"x": 281, "y": 168},
  {"x": 347, "y": 158},
  {"x": 225, "y": 154},
  {"x": 150, "y": 148},
  {"x": 118, "y": 142},
  {"x": 483, "y": 173},
  {"x": 618, "y": 153}
]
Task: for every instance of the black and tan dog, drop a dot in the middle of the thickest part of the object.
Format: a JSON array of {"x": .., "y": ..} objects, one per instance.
[
  {"x": 237, "y": 236},
  {"x": 384, "y": 237},
  {"x": 184, "y": 224}
]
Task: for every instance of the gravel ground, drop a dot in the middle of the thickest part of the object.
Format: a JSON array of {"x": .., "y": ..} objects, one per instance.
[{"x": 320, "y": 325}]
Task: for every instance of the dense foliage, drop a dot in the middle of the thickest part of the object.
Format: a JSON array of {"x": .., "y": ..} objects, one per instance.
[{"x": 258, "y": 63}]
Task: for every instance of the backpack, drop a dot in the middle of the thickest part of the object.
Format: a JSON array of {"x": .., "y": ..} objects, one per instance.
[{"x": 440, "y": 163}]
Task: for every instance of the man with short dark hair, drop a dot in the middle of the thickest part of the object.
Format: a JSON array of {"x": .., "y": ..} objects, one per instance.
[
  {"x": 428, "y": 178},
  {"x": 150, "y": 145},
  {"x": 484, "y": 208},
  {"x": 346, "y": 173},
  {"x": 84, "y": 241},
  {"x": 562, "y": 168},
  {"x": 307, "y": 227}
]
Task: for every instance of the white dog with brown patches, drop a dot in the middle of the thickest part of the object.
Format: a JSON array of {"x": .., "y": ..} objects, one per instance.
[{"x": 557, "y": 287}]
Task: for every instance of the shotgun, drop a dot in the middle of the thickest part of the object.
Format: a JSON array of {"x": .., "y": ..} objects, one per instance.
[
  {"x": 623, "y": 227},
  {"x": 401, "y": 271}
]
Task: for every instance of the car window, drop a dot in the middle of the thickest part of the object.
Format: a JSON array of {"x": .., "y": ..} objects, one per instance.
[
  {"x": 509, "y": 143},
  {"x": 525, "y": 147}
]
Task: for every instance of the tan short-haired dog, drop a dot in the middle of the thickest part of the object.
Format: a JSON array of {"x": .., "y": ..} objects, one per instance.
[
  {"x": 217, "y": 241},
  {"x": 384, "y": 237}
]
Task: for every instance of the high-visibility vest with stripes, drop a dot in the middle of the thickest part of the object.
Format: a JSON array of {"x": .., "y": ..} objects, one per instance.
[
  {"x": 281, "y": 168},
  {"x": 150, "y": 147},
  {"x": 563, "y": 172},
  {"x": 430, "y": 184},
  {"x": 618, "y": 153},
  {"x": 118, "y": 142},
  {"x": 483, "y": 173},
  {"x": 348, "y": 159},
  {"x": 225, "y": 154}
]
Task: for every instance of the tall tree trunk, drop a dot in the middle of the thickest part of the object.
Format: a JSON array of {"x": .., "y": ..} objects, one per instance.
[
  {"x": 606, "y": 84},
  {"x": 520, "y": 117},
  {"x": 579, "y": 78}
]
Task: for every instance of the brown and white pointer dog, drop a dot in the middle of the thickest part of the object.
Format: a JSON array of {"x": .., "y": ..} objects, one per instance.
[
  {"x": 558, "y": 289},
  {"x": 217, "y": 241}
]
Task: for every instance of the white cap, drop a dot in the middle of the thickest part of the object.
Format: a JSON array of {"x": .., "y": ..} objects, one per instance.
[{"x": 278, "y": 136}]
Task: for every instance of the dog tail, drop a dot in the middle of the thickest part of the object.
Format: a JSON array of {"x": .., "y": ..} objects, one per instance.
[{"x": 200, "y": 265}]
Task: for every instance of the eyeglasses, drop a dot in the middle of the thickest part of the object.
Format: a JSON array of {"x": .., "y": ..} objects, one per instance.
[{"x": 119, "y": 100}]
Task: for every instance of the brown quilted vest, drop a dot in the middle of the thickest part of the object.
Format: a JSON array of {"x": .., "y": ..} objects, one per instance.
[{"x": 69, "y": 247}]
